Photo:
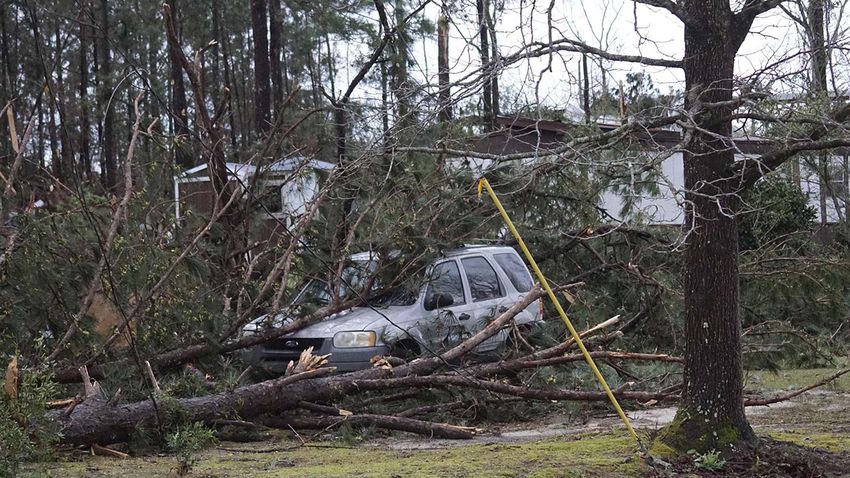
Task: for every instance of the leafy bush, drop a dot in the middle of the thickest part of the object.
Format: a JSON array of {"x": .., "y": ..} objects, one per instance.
[
  {"x": 186, "y": 441},
  {"x": 774, "y": 210},
  {"x": 22, "y": 435}
]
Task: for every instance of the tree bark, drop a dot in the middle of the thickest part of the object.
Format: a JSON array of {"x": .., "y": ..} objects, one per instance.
[
  {"x": 224, "y": 50},
  {"x": 85, "y": 155},
  {"x": 444, "y": 94},
  {"x": 711, "y": 411},
  {"x": 494, "y": 57},
  {"x": 275, "y": 46},
  {"x": 484, "y": 51},
  {"x": 109, "y": 162},
  {"x": 261, "y": 66},
  {"x": 401, "y": 56},
  {"x": 179, "y": 105},
  {"x": 5, "y": 59},
  {"x": 817, "y": 89}
]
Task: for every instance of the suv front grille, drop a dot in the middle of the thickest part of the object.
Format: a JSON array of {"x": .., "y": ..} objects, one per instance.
[{"x": 294, "y": 345}]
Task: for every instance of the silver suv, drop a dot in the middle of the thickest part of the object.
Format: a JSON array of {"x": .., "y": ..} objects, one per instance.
[{"x": 461, "y": 293}]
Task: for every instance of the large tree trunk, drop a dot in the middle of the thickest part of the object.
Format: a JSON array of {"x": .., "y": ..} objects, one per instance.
[
  {"x": 817, "y": 88},
  {"x": 85, "y": 156},
  {"x": 484, "y": 51},
  {"x": 224, "y": 49},
  {"x": 494, "y": 57},
  {"x": 261, "y": 66},
  {"x": 711, "y": 412},
  {"x": 109, "y": 160},
  {"x": 5, "y": 60},
  {"x": 179, "y": 106},
  {"x": 401, "y": 85},
  {"x": 444, "y": 94},
  {"x": 275, "y": 33}
]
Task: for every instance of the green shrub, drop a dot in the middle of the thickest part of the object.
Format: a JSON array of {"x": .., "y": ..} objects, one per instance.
[
  {"x": 774, "y": 210},
  {"x": 23, "y": 435},
  {"x": 186, "y": 441},
  {"x": 709, "y": 461}
]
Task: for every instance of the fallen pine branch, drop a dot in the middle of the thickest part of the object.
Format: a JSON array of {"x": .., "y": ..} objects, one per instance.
[
  {"x": 421, "y": 410},
  {"x": 599, "y": 354},
  {"x": 389, "y": 422},
  {"x": 96, "y": 421},
  {"x": 176, "y": 357},
  {"x": 462, "y": 380},
  {"x": 795, "y": 393},
  {"x": 106, "y": 451},
  {"x": 326, "y": 409}
]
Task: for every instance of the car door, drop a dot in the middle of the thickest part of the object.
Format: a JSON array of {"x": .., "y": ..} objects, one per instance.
[
  {"x": 487, "y": 296},
  {"x": 444, "y": 325}
]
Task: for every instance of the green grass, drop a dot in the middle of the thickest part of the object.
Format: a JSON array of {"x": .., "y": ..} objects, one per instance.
[
  {"x": 819, "y": 421},
  {"x": 828, "y": 441},
  {"x": 601, "y": 455},
  {"x": 760, "y": 380}
]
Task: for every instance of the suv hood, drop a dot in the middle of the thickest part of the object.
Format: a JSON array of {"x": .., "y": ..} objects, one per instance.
[{"x": 358, "y": 318}]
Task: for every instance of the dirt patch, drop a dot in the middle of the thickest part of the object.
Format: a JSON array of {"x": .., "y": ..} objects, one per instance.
[{"x": 770, "y": 459}]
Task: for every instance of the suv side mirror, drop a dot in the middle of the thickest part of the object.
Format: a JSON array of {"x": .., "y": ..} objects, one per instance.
[{"x": 438, "y": 301}]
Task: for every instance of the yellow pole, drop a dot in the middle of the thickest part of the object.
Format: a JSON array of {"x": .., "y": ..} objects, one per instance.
[{"x": 483, "y": 183}]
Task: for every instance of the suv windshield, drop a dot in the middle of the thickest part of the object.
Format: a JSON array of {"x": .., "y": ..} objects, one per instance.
[
  {"x": 318, "y": 292},
  {"x": 315, "y": 293},
  {"x": 396, "y": 296}
]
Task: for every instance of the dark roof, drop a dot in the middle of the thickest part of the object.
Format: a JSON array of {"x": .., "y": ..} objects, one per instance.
[{"x": 517, "y": 134}]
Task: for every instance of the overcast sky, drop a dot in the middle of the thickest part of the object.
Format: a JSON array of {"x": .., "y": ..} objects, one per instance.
[{"x": 615, "y": 25}]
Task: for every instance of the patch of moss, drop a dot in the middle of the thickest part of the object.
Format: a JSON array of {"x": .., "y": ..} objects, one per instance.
[
  {"x": 661, "y": 450},
  {"x": 692, "y": 432},
  {"x": 826, "y": 441},
  {"x": 587, "y": 455}
]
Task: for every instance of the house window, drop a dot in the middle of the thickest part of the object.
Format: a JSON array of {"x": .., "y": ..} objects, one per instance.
[
  {"x": 270, "y": 198},
  {"x": 838, "y": 177}
]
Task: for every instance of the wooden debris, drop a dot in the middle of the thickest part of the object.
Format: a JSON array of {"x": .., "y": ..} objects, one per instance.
[
  {"x": 61, "y": 403},
  {"x": 106, "y": 451},
  {"x": 10, "y": 384},
  {"x": 152, "y": 377},
  {"x": 92, "y": 389},
  {"x": 386, "y": 361},
  {"x": 306, "y": 362}
]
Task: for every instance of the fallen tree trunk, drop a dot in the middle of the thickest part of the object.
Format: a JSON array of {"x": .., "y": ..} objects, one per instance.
[
  {"x": 794, "y": 393},
  {"x": 462, "y": 380},
  {"x": 420, "y": 427},
  {"x": 96, "y": 421},
  {"x": 175, "y": 357}
]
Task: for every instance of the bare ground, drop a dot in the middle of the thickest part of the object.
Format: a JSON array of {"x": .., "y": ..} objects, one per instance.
[{"x": 553, "y": 446}]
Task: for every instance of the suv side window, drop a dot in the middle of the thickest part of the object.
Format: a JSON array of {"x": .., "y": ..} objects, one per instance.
[
  {"x": 483, "y": 282},
  {"x": 445, "y": 279},
  {"x": 515, "y": 270}
]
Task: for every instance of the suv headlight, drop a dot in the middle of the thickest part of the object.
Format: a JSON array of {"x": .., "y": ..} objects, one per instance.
[{"x": 346, "y": 340}]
